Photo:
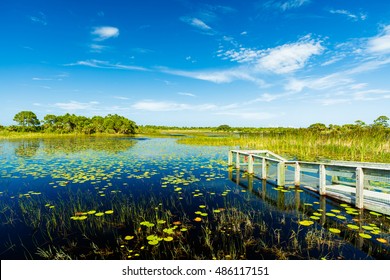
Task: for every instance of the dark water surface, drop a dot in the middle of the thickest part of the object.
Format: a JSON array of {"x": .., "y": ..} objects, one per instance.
[{"x": 140, "y": 198}]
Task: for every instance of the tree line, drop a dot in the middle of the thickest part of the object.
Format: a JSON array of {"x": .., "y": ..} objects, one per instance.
[{"x": 71, "y": 123}]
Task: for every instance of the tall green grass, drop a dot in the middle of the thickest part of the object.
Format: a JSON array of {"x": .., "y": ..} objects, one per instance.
[{"x": 371, "y": 145}]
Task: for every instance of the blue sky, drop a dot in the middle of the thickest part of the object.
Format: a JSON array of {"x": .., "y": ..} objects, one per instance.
[{"x": 197, "y": 63}]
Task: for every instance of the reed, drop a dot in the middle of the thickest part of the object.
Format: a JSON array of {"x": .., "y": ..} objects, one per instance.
[{"x": 370, "y": 145}]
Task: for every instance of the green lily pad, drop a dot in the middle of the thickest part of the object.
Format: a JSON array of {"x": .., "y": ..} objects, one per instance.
[
  {"x": 168, "y": 239},
  {"x": 365, "y": 235},
  {"x": 99, "y": 214},
  {"x": 183, "y": 229},
  {"x": 317, "y": 214},
  {"x": 335, "y": 211},
  {"x": 129, "y": 237},
  {"x": 334, "y": 230},
  {"x": 330, "y": 215},
  {"x": 351, "y": 226},
  {"x": 314, "y": 217},
  {"x": 306, "y": 223},
  {"x": 341, "y": 217},
  {"x": 153, "y": 242},
  {"x": 367, "y": 227},
  {"x": 375, "y": 214},
  {"x": 109, "y": 212}
]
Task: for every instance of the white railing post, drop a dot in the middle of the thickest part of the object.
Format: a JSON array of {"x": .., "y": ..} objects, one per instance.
[
  {"x": 263, "y": 169},
  {"x": 322, "y": 188},
  {"x": 238, "y": 160},
  {"x": 281, "y": 174},
  {"x": 250, "y": 164},
  {"x": 297, "y": 174},
  {"x": 359, "y": 203},
  {"x": 230, "y": 158}
]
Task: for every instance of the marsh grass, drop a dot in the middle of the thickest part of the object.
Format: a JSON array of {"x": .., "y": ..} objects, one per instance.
[{"x": 371, "y": 145}]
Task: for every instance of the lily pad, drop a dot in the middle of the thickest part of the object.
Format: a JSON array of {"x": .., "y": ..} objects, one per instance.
[
  {"x": 153, "y": 242},
  {"x": 129, "y": 237},
  {"x": 168, "y": 239},
  {"x": 365, "y": 235},
  {"x": 381, "y": 240},
  {"x": 375, "y": 214},
  {"x": 99, "y": 214},
  {"x": 314, "y": 217},
  {"x": 330, "y": 215},
  {"x": 334, "y": 230},
  {"x": 198, "y": 219},
  {"x": 351, "y": 226},
  {"x": 367, "y": 227},
  {"x": 306, "y": 223},
  {"x": 109, "y": 212}
]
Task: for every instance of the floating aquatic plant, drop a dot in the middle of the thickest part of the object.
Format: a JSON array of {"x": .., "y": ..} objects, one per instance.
[
  {"x": 351, "y": 226},
  {"x": 365, "y": 235},
  {"x": 129, "y": 237},
  {"x": 334, "y": 230},
  {"x": 306, "y": 223}
]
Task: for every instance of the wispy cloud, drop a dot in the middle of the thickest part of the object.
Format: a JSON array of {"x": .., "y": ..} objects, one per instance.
[
  {"x": 121, "y": 97},
  {"x": 105, "y": 64},
  {"x": 102, "y": 33},
  {"x": 199, "y": 24},
  {"x": 74, "y": 105},
  {"x": 249, "y": 115},
  {"x": 349, "y": 14},
  {"x": 160, "y": 106},
  {"x": 40, "y": 18},
  {"x": 381, "y": 43},
  {"x": 96, "y": 48},
  {"x": 186, "y": 94},
  {"x": 282, "y": 59},
  {"x": 217, "y": 76},
  {"x": 286, "y": 4}
]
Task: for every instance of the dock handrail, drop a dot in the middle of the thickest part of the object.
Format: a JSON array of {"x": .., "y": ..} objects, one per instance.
[{"x": 357, "y": 175}]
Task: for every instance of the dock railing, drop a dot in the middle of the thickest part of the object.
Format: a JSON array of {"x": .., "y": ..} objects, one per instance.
[{"x": 366, "y": 185}]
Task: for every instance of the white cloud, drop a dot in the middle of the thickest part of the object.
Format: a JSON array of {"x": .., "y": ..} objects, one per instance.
[
  {"x": 74, "y": 105},
  {"x": 97, "y": 48},
  {"x": 350, "y": 15},
  {"x": 186, "y": 94},
  {"x": 40, "y": 18},
  {"x": 121, "y": 97},
  {"x": 321, "y": 83},
  {"x": 286, "y": 5},
  {"x": 217, "y": 76},
  {"x": 282, "y": 59},
  {"x": 290, "y": 57},
  {"x": 199, "y": 24},
  {"x": 372, "y": 94},
  {"x": 102, "y": 33},
  {"x": 158, "y": 106},
  {"x": 381, "y": 43},
  {"x": 105, "y": 64},
  {"x": 256, "y": 116}
]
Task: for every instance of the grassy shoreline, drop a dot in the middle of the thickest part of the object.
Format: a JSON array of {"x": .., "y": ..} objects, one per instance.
[{"x": 360, "y": 145}]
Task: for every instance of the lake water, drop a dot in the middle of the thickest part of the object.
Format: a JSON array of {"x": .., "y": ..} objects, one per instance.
[{"x": 150, "y": 198}]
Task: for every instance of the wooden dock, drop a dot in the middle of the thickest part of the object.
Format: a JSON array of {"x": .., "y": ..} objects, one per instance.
[{"x": 366, "y": 185}]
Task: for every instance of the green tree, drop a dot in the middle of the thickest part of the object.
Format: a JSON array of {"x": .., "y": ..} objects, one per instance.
[
  {"x": 317, "y": 127},
  {"x": 381, "y": 121},
  {"x": 224, "y": 127},
  {"x": 27, "y": 119}
]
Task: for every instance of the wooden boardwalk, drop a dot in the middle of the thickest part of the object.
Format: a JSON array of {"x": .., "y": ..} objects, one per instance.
[{"x": 366, "y": 185}]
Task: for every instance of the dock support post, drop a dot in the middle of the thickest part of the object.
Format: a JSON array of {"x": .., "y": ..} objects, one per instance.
[
  {"x": 322, "y": 187},
  {"x": 230, "y": 158},
  {"x": 250, "y": 164},
  {"x": 297, "y": 175},
  {"x": 263, "y": 169},
  {"x": 359, "y": 188},
  {"x": 281, "y": 174},
  {"x": 238, "y": 160}
]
